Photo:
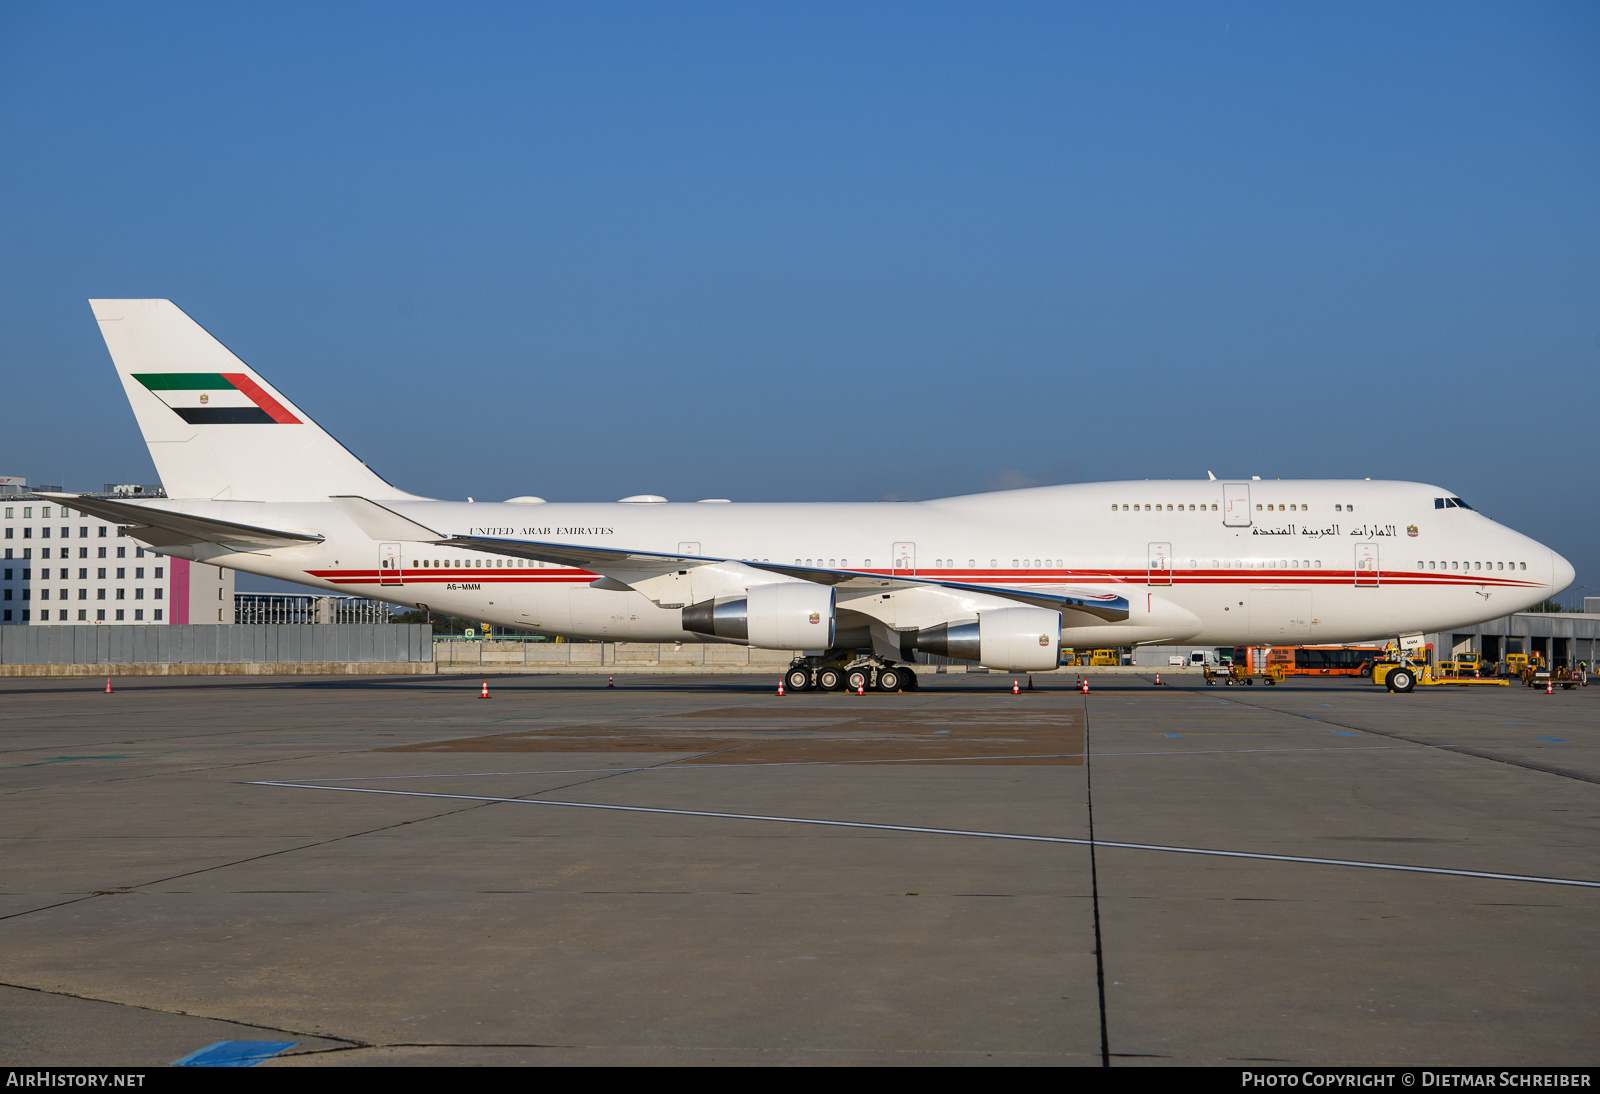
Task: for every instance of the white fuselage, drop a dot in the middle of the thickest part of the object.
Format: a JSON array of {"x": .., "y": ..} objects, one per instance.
[{"x": 1317, "y": 562}]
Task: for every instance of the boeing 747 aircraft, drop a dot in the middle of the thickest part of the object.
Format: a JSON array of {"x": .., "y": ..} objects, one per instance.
[{"x": 1001, "y": 579}]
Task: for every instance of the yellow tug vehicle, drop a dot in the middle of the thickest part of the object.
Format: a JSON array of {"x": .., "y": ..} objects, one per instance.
[{"x": 1402, "y": 676}]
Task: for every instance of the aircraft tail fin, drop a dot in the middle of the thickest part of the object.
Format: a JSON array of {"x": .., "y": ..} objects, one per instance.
[{"x": 215, "y": 428}]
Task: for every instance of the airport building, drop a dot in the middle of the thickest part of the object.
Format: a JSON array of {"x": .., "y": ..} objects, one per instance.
[
  {"x": 1560, "y": 638},
  {"x": 61, "y": 567},
  {"x": 256, "y": 609}
]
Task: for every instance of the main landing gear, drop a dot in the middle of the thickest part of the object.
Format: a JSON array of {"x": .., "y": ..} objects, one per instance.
[{"x": 848, "y": 671}]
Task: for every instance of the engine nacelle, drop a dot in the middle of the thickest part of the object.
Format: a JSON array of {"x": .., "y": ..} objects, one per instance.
[
  {"x": 790, "y": 615},
  {"x": 1020, "y": 639}
]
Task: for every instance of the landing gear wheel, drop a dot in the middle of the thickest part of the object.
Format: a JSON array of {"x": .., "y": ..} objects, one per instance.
[
  {"x": 856, "y": 679},
  {"x": 797, "y": 679},
  {"x": 1402, "y": 680},
  {"x": 890, "y": 679},
  {"x": 830, "y": 680},
  {"x": 911, "y": 683}
]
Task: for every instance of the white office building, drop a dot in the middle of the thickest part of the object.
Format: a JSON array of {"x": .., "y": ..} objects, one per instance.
[{"x": 62, "y": 567}]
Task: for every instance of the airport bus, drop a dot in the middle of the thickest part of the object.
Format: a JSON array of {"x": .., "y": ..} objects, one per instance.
[{"x": 1317, "y": 660}]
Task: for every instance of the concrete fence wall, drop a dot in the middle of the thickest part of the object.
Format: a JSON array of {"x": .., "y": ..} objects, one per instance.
[
  {"x": 457, "y": 655},
  {"x": 217, "y": 644}
]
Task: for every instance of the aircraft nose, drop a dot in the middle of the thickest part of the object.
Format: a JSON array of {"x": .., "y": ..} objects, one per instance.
[{"x": 1561, "y": 573}]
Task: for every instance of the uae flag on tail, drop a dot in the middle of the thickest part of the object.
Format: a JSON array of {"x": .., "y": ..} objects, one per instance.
[{"x": 216, "y": 398}]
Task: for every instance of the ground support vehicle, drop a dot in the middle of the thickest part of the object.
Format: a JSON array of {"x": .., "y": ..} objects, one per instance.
[
  {"x": 1539, "y": 676},
  {"x": 1464, "y": 666},
  {"x": 1239, "y": 674},
  {"x": 1430, "y": 679},
  {"x": 1396, "y": 675},
  {"x": 1317, "y": 660},
  {"x": 848, "y": 671},
  {"x": 1515, "y": 663},
  {"x": 1403, "y": 676}
]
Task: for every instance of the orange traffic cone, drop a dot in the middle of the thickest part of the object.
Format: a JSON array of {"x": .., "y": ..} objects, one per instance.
[
  {"x": 1014, "y": 689},
  {"x": 1549, "y": 686},
  {"x": 1085, "y": 681},
  {"x": 1158, "y": 679},
  {"x": 1030, "y": 681},
  {"x": 780, "y": 687},
  {"x": 861, "y": 688},
  {"x": 484, "y": 694},
  {"x": 611, "y": 681},
  {"x": 108, "y": 685}
]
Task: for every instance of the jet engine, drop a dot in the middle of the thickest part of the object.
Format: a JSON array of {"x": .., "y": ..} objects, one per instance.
[
  {"x": 790, "y": 615},
  {"x": 1014, "y": 639}
]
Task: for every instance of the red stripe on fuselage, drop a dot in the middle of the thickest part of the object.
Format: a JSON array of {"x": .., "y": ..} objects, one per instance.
[{"x": 1331, "y": 578}]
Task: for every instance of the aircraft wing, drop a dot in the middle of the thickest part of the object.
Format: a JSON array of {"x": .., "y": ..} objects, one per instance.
[
  {"x": 1106, "y": 606},
  {"x": 636, "y": 567},
  {"x": 596, "y": 559},
  {"x": 162, "y": 528}
]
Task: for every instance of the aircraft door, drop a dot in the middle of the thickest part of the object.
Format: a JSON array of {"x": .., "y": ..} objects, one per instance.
[
  {"x": 1160, "y": 571},
  {"x": 1367, "y": 565},
  {"x": 1236, "y": 504},
  {"x": 903, "y": 560},
  {"x": 389, "y": 570}
]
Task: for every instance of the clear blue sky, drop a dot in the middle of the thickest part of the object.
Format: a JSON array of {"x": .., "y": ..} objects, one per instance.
[{"x": 814, "y": 251}]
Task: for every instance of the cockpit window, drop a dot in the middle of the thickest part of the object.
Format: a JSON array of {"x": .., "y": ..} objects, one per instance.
[
  {"x": 1462, "y": 504},
  {"x": 1451, "y": 503}
]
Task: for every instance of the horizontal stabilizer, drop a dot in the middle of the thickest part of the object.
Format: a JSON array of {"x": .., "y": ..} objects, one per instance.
[{"x": 162, "y": 528}]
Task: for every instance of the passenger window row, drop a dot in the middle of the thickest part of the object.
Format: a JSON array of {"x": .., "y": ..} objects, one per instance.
[{"x": 1473, "y": 565}]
